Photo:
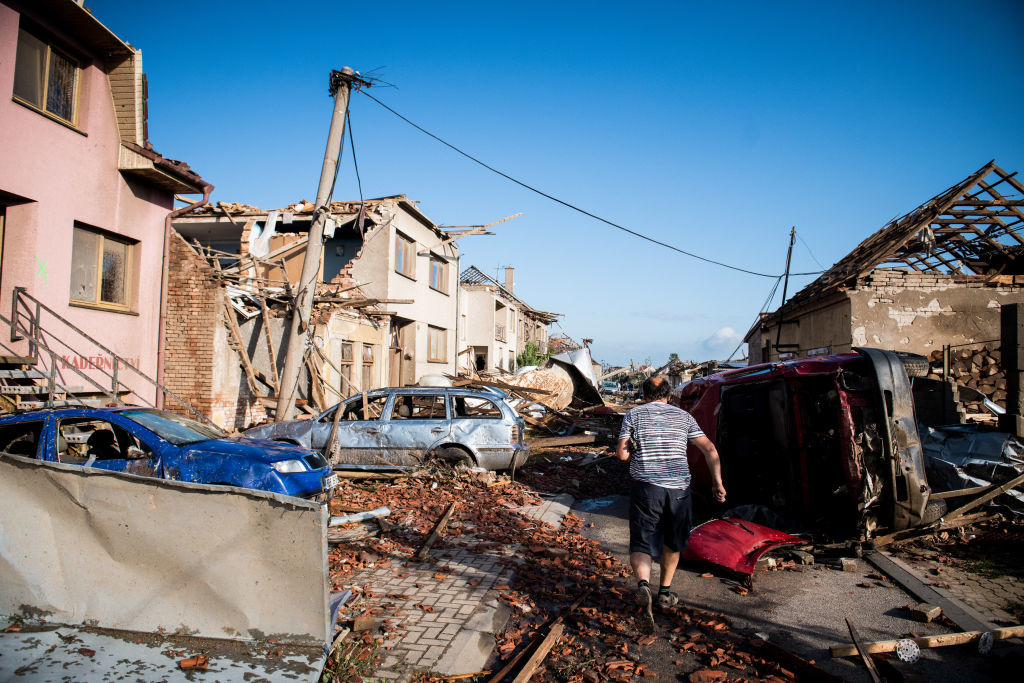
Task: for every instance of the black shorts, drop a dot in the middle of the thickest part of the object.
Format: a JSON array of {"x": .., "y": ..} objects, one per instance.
[{"x": 658, "y": 517}]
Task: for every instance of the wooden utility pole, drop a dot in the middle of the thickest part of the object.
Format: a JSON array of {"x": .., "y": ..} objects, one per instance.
[{"x": 341, "y": 83}]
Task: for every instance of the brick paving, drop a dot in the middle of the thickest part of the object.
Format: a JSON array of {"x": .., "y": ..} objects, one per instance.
[
  {"x": 445, "y": 610},
  {"x": 989, "y": 596}
]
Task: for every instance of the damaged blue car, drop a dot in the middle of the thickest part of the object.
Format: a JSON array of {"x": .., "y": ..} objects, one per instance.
[{"x": 163, "y": 445}]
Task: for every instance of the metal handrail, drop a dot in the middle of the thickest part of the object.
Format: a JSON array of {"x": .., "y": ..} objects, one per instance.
[{"x": 37, "y": 340}]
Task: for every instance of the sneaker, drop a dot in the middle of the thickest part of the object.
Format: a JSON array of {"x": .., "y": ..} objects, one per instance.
[
  {"x": 667, "y": 600},
  {"x": 645, "y": 620}
]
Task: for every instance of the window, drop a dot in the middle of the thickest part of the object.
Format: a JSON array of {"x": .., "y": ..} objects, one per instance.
[
  {"x": 466, "y": 406},
  {"x": 358, "y": 406},
  {"x": 405, "y": 255},
  {"x": 418, "y": 407},
  {"x": 437, "y": 347},
  {"x": 438, "y": 274},
  {"x": 45, "y": 78},
  {"x": 84, "y": 441},
  {"x": 102, "y": 268},
  {"x": 368, "y": 358},
  {"x": 20, "y": 438},
  {"x": 346, "y": 369}
]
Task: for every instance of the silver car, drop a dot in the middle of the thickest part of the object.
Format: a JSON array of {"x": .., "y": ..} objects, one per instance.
[{"x": 402, "y": 426}]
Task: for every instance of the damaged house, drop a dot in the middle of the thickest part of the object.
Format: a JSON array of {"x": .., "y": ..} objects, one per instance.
[
  {"x": 934, "y": 277},
  {"x": 496, "y": 325},
  {"x": 83, "y": 202},
  {"x": 384, "y": 311}
]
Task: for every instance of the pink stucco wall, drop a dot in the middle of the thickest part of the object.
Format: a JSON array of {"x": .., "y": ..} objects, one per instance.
[{"x": 71, "y": 175}]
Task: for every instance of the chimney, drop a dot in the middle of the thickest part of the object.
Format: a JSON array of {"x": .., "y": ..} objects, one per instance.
[{"x": 510, "y": 280}]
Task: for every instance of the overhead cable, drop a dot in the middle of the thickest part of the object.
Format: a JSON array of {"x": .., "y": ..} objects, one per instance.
[{"x": 572, "y": 206}]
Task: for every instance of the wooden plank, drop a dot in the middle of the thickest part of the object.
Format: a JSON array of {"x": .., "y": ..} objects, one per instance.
[
  {"x": 924, "y": 642},
  {"x": 232, "y": 322},
  {"x": 265, "y": 316},
  {"x": 865, "y": 657},
  {"x": 958, "y": 493},
  {"x": 421, "y": 554},
  {"x": 535, "y": 660},
  {"x": 997, "y": 491},
  {"x": 561, "y": 618},
  {"x": 562, "y": 440}
]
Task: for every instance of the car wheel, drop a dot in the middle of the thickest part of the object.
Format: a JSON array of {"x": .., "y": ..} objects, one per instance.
[
  {"x": 915, "y": 364},
  {"x": 455, "y": 457}
]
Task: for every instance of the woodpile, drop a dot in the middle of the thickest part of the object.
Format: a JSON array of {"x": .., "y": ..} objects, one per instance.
[{"x": 977, "y": 368}]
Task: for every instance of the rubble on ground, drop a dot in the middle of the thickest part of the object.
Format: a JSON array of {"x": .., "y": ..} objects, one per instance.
[{"x": 553, "y": 568}]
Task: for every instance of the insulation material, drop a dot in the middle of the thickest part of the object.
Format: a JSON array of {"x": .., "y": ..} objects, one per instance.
[{"x": 556, "y": 380}]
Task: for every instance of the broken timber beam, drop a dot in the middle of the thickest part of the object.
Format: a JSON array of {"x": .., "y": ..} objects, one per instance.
[
  {"x": 562, "y": 440},
  {"x": 865, "y": 657},
  {"x": 421, "y": 554},
  {"x": 558, "y": 621},
  {"x": 942, "y": 640}
]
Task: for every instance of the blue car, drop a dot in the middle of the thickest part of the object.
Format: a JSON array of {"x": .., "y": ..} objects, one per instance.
[{"x": 163, "y": 445}]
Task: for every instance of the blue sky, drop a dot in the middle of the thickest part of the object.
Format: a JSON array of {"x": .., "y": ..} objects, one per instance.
[{"x": 710, "y": 126}]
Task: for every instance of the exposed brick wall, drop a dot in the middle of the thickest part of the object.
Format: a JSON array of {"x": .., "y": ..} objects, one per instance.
[{"x": 193, "y": 309}]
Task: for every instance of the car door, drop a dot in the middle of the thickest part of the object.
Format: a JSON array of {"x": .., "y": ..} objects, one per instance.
[
  {"x": 417, "y": 421},
  {"x": 359, "y": 429},
  {"x": 99, "y": 443}
]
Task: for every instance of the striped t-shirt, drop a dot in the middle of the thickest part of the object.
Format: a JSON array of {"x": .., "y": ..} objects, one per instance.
[{"x": 660, "y": 433}]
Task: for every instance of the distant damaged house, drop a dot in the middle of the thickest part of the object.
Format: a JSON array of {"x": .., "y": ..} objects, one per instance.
[
  {"x": 933, "y": 277},
  {"x": 384, "y": 310},
  {"x": 495, "y": 324}
]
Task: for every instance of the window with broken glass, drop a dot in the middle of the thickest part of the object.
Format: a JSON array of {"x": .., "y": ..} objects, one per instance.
[
  {"x": 45, "y": 78},
  {"x": 369, "y": 356},
  {"x": 345, "y": 365},
  {"x": 102, "y": 269}
]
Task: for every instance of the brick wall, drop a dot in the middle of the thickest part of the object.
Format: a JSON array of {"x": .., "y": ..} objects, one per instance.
[{"x": 193, "y": 309}]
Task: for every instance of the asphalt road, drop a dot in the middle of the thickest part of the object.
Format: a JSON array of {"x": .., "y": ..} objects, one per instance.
[{"x": 804, "y": 611}]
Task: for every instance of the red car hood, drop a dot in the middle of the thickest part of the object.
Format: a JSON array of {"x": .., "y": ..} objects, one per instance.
[{"x": 734, "y": 543}]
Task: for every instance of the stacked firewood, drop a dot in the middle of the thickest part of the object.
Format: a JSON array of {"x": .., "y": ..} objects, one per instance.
[{"x": 978, "y": 368}]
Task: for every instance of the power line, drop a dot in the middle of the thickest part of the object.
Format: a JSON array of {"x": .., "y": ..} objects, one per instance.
[
  {"x": 572, "y": 206},
  {"x": 764, "y": 307},
  {"x": 352, "y": 144},
  {"x": 808, "y": 247}
]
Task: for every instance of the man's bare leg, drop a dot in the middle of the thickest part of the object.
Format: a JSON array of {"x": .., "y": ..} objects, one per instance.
[
  {"x": 641, "y": 564},
  {"x": 669, "y": 562}
]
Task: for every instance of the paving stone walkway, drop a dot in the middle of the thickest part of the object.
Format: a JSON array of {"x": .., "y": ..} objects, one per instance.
[
  {"x": 989, "y": 596},
  {"x": 446, "y": 610}
]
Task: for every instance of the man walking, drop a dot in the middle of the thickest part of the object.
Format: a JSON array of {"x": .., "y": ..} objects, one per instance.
[{"x": 654, "y": 438}]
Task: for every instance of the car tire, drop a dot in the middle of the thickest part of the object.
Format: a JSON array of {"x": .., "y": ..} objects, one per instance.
[
  {"x": 455, "y": 457},
  {"x": 915, "y": 364}
]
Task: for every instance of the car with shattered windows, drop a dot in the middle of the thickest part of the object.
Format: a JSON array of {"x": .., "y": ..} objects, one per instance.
[
  {"x": 401, "y": 427},
  {"x": 162, "y": 445},
  {"x": 828, "y": 443}
]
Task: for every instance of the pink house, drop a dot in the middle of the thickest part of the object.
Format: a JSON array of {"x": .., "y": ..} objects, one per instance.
[{"x": 84, "y": 199}]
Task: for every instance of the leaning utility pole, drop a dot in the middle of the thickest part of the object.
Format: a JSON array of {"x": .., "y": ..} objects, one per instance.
[{"x": 340, "y": 84}]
